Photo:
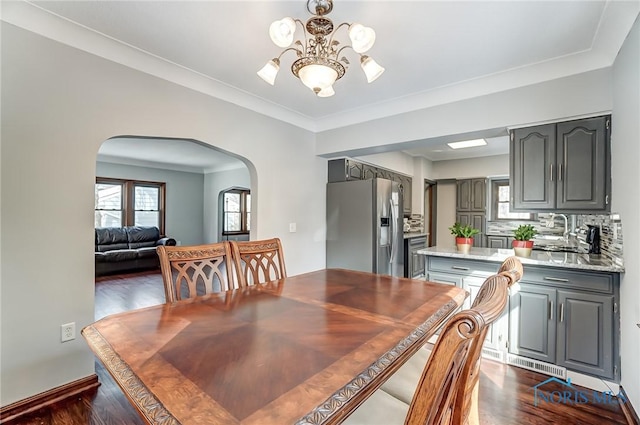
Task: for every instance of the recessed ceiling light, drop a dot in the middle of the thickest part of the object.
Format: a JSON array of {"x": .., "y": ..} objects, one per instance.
[{"x": 467, "y": 144}]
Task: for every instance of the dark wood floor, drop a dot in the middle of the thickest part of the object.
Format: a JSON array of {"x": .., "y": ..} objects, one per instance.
[{"x": 506, "y": 392}]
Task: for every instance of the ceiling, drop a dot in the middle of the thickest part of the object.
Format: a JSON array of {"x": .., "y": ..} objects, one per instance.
[{"x": 433, "y": 52}]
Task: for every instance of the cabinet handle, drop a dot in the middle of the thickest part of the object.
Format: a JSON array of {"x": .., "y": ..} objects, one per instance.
[
  {"x": 555, "y": 279},
  {"x": 560, "y": 171},
  {"x": 561, "y": 312},
  {"x": 551, "y": 172},
  {"x": 550, "y": 310},
  {"x": 466, "y": 269}
]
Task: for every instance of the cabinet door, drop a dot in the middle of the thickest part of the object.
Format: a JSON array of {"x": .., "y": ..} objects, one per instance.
[
  {"x": 449, "y": 279},
  {"x": 406, "y": 184},
  {"x": 354, "y": 170},
  {"x": 463, "y": 195},
  {"x": 533, "y": 168},
  {"x": 496, "y": 242},
  {"x": 585, "y": 332},
  {"x": 478, "y": 220},
  {"x": 369, "y": 172},
  {"x": 582, "y": 155},
  {"x": 417, "y": 260},
  {"x": 532, "y": 322},
  {"x": 478, "y": 195}
]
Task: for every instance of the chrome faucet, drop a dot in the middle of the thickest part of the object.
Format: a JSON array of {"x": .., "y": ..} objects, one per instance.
[{"x": 565, "y": 235}]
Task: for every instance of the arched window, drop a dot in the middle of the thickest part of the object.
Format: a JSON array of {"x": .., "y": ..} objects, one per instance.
[{"x": 236, "y": 211}]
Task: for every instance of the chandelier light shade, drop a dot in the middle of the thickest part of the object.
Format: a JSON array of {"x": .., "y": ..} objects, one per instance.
[{"x": 319, "y": 63}]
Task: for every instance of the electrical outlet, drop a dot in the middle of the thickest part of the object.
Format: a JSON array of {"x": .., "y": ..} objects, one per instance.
[{"x": 68, "y": 332}]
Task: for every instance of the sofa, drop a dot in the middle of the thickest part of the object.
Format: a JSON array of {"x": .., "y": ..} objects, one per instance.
[{"x": 129, "y": 248}]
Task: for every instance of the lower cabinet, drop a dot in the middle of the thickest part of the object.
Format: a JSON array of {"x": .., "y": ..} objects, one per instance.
[
  {"x": 499, "y": 242},
  {"x": 566, "y": 317},
  {"x": 414, "y": 262},
  {"x": 532, "y": 328}
]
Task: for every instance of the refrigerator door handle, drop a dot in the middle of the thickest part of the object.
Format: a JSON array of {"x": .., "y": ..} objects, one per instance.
[{"x": 394, "y": 230}]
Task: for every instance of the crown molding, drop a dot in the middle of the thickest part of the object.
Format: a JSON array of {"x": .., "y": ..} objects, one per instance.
[{"x": 617, "y": 19}]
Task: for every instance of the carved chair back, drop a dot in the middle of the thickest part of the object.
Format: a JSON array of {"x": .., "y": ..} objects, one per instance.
[
  {"x": 188, "y": 271},
  {"x": 258, "y": 261},
  {"x": 466, "y": 406},
  {"x": 444, "y": 379}
]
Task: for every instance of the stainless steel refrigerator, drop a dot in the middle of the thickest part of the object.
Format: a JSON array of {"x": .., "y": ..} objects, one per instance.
[{"x": 364, "y": 226}]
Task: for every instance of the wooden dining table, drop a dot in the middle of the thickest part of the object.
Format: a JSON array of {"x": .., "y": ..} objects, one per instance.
[{"x": 306, "y": 349}]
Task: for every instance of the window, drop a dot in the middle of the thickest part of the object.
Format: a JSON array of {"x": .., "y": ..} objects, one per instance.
[
  {"x": 500, "y": 197},
  {"x": 109, "y": 202},
  {"x": 236, "y": 211},
  {"x": 129, "y": 203}
]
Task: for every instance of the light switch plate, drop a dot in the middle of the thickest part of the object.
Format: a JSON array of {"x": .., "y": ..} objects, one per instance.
[{"x": 292, "y": 227}]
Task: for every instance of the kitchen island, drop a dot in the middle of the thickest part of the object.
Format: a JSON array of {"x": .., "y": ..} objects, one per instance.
[
  {"x": 563, "y": 317},
  {"x": 566, "y": 260}
]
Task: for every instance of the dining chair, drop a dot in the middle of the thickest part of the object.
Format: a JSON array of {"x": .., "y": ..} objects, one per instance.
[
  {"x": 419, "y": 394},
  {"x": 258, "y": 261},
  {"x": 188, "y": 271}
]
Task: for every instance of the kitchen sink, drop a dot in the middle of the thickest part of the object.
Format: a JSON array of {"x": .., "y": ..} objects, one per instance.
[{"x": 555, "y": 248}]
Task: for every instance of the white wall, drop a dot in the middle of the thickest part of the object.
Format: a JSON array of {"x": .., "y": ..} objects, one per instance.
[
  {"x": 396, "y": 161},
  {"x": 184, "y": 197},
  {"x": 214, "y": 183},
  {"x": 484, "y": 166},
  {"x": 58, "y": 105},
  {"x": 445, "y": 213},
  {"x": 549, "y": 101},
  {"x": 625, "y": 199}
]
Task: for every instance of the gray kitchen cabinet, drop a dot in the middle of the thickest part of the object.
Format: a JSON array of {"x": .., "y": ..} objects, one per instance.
[
  {"x": 532, "y": 326},
  {"x": 560, "y": 316},
  {"x": 415, "y": 266},
  {"x": 564, "y": 167},
  {"x": 477, "y": 220},
  {"x": 344, "y": 169},
  {"x": 585, "y": 332},
  {"x": 471, "y": 207},
  {"x": 414, "y": 262},
  {"x": 499, "y": 242},
  {"x": 369, "y": 172},
  {"x": 406, "y": 190},
  {"x": 471, "y": 195},
  {"x": 568, "y": 318},
  {"x": 445, "y": 278}
]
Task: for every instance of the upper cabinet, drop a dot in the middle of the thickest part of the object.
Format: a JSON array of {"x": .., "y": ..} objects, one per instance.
[
  {"x": 471, "y": 195},
  {"x": 344, "y": 169},
  {"x": 471, "y": 204},
  {"x": 562, "y": 167}
]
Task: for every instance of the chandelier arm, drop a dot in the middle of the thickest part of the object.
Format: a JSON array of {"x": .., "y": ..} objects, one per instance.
[
  {"x": 286, "y": 50},
  {"x": 345, "y": 47},
  {"x": 304, "y": 32},
  {"x": 336, "y": 30}
]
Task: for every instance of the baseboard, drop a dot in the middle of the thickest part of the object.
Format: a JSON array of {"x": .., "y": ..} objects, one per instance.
[
  {"x": 627, "y": 409},
  {"x": 47, "y": 398}
]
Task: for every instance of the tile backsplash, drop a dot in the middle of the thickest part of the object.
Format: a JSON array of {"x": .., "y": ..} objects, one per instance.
[
  {"x": 610, "y": 230},
  {"x": 414, "y": 223}
]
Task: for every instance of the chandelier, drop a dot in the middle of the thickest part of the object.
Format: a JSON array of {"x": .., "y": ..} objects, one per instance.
[{"x": 318, "y": 64}]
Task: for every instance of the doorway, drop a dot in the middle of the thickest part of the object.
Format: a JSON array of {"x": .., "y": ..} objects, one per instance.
[{"x": 429, "y": 211}]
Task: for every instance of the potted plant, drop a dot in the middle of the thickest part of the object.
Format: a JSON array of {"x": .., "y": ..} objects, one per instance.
[
  {"x": 523, "y": 244},
  {"x": 464, "y": 236}
]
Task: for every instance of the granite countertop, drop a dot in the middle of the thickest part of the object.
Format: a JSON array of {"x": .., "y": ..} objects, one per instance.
[
  {"x": 540, "y": 258},
  {"x": 409, "y": 235}
]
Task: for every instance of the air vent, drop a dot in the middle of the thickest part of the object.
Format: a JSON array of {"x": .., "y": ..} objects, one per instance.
[
  {"x": 537, "y": 366},
  {"x": 493, "y": 355}
]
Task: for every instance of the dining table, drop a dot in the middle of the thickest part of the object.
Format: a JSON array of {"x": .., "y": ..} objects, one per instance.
[{"x": 304, "y": 349}]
